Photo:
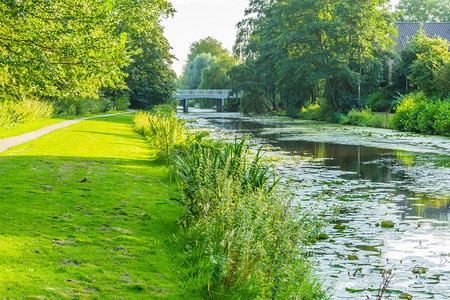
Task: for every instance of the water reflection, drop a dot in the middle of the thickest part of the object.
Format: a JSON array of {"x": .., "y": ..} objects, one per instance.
[{"x": 363, "y": 162}]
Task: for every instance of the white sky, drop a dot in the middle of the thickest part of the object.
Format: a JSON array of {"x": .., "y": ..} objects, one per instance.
[{"x": 197, "y": 19}]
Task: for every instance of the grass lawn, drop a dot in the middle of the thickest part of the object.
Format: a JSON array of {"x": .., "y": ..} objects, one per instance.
[{"x": 109, "y": 237}]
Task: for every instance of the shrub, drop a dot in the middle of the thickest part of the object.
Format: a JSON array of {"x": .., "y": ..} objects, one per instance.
[
  {"x": 380, "y": 101},
  {"x": 320, "y": 111},
  {"x": 417, "y": 113},
  {"x": 205, "y": 166},
  {"x": 442, "y": 118},
  {"x": 122, "y": 103},
  {"x": 22, "y": 111},
  {"x": 367, "y": 118},
  {"x": 72, "y": 106}
]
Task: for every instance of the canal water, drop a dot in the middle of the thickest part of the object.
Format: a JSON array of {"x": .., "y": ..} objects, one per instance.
[{"x": 370, "y": 175}]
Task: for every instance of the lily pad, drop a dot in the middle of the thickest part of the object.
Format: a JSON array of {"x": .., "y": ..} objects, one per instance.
[{"x": 387, "y": 224}]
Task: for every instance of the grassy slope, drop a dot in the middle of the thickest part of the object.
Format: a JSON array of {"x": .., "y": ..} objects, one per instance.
[{"x": 106, "y": 238}]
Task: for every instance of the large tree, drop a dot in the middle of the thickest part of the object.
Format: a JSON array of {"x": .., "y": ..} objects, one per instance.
[
  {"x": 193, "y": 74},
  {"x": 298, "y": 47},
  {"x": 424, "y": 10},
  {"x": 207, "y": 45},
  {"x": 70, "y": 47}
]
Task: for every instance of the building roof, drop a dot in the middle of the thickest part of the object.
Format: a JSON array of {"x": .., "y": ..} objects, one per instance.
[{"x": 407, "y": 30}]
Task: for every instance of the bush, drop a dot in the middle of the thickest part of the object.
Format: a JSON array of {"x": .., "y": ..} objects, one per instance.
[
  {"x": 367, "y": 118},
  {"x": 417, "y": 113},
  {"x": 72, "y": 106},
  {"x": 380, "y": 101},
  {"x": 24, "y": 110},
  {"x": 122, "y": 103},
  {"x": 442, "y": 118},
  {"x": 320, "y": 111}
]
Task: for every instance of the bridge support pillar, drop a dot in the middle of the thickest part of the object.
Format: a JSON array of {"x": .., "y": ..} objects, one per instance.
[
  {"x": 185, "y": 105},
  {"x": 220, "y": 105}
]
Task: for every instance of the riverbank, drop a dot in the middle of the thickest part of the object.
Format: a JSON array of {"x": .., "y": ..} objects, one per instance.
[{"x": 85, "y": 214}]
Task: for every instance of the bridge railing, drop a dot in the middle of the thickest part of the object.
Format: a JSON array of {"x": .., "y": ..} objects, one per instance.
[{"x": 203, "y": 92}]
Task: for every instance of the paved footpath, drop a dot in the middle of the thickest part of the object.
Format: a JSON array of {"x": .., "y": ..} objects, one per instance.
[{"x": 7, "y": 143}]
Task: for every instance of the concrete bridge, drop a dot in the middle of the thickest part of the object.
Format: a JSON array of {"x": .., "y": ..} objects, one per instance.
[{"x": 220, "y": 95}]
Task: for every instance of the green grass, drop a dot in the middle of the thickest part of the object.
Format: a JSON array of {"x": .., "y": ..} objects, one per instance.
[
  {"x": 108, "y": 238},
  {"x": 19, "y": 129}
]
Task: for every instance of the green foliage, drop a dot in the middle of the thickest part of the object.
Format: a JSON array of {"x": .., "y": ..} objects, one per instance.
[
  {"x": 441, "y": 75},
  {"x": 442, "y": 116},
  {"x": 317, "y": 47},
  {"x": 380, "y": 101},
  {"x": 243, "y": 238},
  {"x": 366, "y": 118},
  {"x": 424, "y": 10},
  {"x": 193, "y": 74},
  {"x": 202, "y": 54},
  {"x": 320, "y": 111},
  {"x": 73, "y": 106},
  {"x": 431, "y": 59},
  {"x": 22, "y": 111},
  {"x": 122, "y": 103},
  {"x": 417, "y": 113},
  {"x": 69, "y": 48},
  {"x": 150, "y": 79},
  {"x": 166, "y": 132},
  {"x": 202, "y": 171},
  {"x": 423, "y": 62},
  {"x": 215, "y": 76},
  {"x": 207, "y": 45}
]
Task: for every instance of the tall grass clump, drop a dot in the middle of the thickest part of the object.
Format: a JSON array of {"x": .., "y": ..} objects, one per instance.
[
  {"x": 163, "y": 129},
  {"x": 418, "y": 113},
  {"x": 243, "y": 238},
  {"x": 366, "y": 118},
  {"x": 24, "y": 110}
]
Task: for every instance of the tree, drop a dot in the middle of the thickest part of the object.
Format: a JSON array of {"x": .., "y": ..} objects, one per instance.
[
  {"x": 149, "y": 78},
  {"x": 420, "y": 64},
  {"x": 298, "y": 47},
  {"x": 215, "y": 76},
  {"x": 207, "y": 45},
  {"x": 71, "y": 47},
  {"x": 425, "y": 69},
  {"x": 193, "y": 74},
  {"x": 424, "y": 10}
]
